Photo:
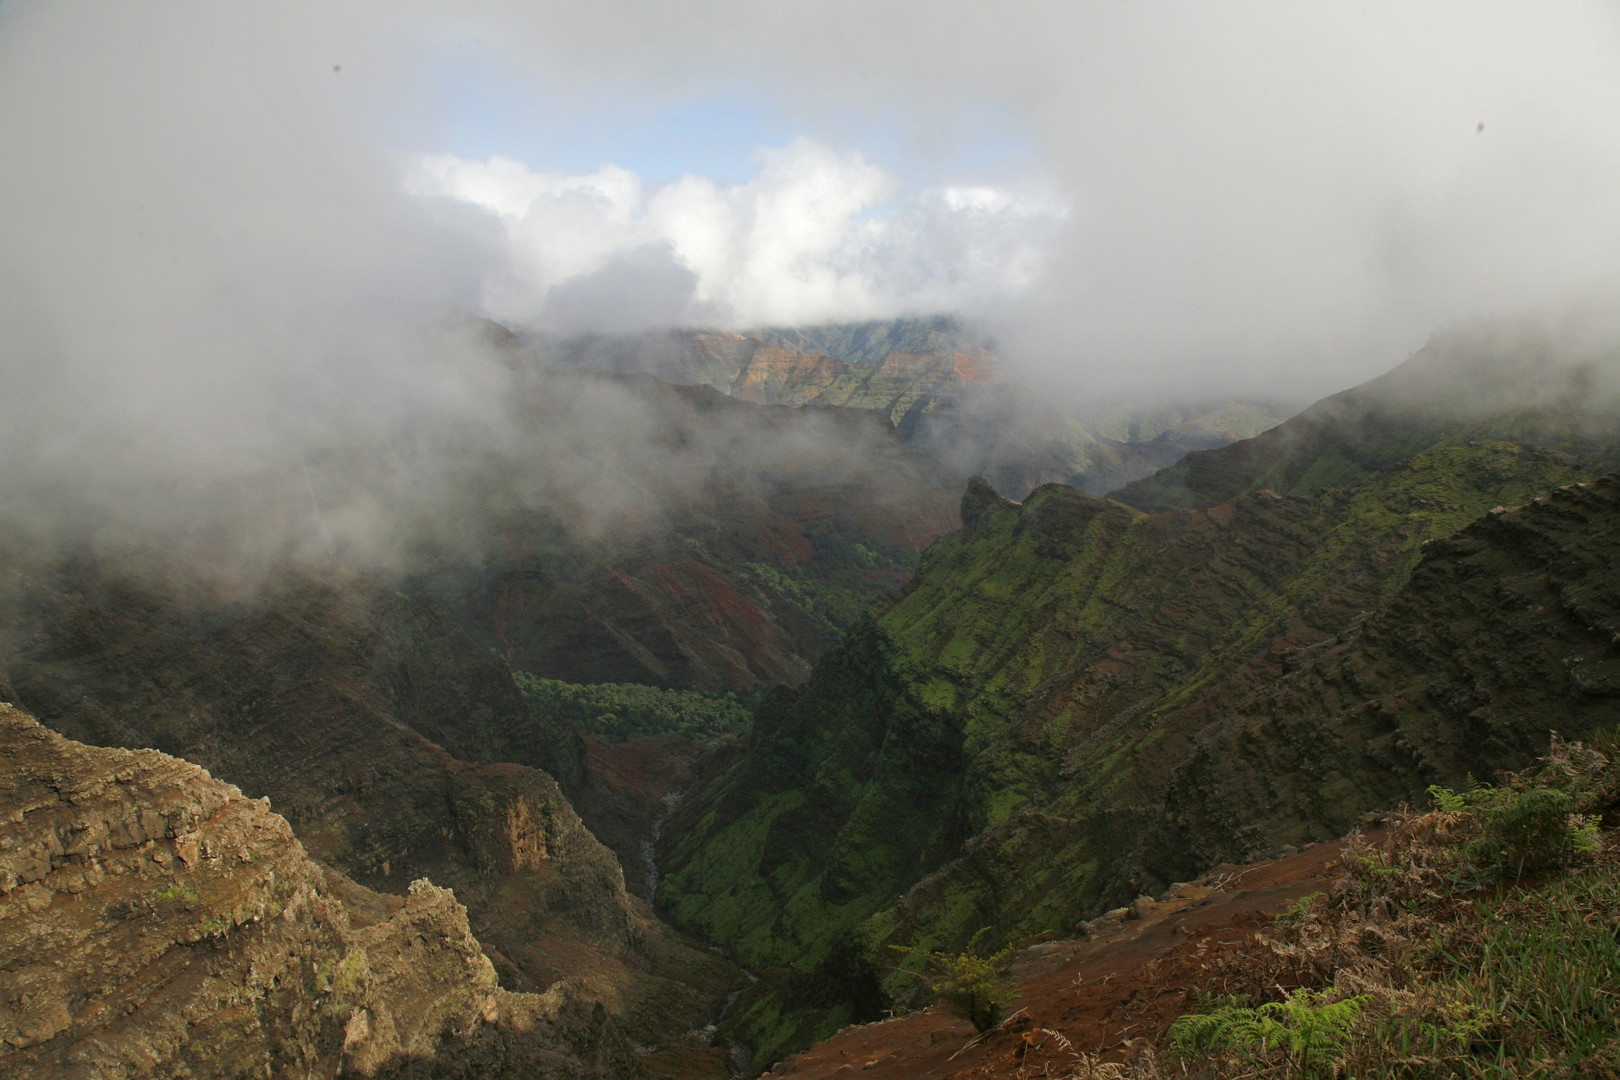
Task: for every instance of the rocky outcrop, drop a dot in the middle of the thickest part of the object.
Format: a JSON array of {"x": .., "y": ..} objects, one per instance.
[
  {"x": 157, "y": 923},
  {"x": 315, "y": 688}
]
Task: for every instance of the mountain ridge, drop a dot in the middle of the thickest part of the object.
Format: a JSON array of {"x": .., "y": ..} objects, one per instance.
[
  {"x": 944, "y": 390},
  {"x": 1035, "y": 699}
]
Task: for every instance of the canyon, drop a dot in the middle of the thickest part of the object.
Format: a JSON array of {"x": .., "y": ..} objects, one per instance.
[{"x": 974, "y": 718}]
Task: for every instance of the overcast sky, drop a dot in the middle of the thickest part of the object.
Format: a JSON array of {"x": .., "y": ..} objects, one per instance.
[{"x": 207, "y": 200}]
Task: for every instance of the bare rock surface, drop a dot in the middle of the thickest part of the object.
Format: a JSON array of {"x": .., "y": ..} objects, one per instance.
[
  {"x": 346, "y": 704},
  {"x": 155, "y": 922}
]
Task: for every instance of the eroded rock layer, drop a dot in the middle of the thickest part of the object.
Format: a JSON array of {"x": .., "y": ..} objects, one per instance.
[
  {"x": 155, "y": 922},
  {"x": 331, "y": 694}
]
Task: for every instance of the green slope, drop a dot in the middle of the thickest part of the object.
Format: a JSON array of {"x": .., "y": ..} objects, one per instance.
[
  {"x": 1553, "y": 383},
  {"x": 999, "y": 745}
]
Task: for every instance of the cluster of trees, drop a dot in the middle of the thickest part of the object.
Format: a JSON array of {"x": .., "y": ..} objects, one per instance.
[{"x": 624, "y": 711}]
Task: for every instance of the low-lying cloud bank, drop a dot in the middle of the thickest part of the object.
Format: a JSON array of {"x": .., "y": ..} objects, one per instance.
[
  {"x": 815, "y": 236},
  {"x": 211, "y": 266}
]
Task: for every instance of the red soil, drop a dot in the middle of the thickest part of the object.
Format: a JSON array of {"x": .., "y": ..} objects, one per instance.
[
  {"x": 1127, "y": 981},
  {"x": 975, "y": 369},
  {"x": 784, "y": 541},
  {"x": 642, "y": 773}
]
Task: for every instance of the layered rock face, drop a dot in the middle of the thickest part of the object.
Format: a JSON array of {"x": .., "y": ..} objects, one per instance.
[
  {"x": 155, "y": 922},
  {"x": 315, "y": 688},
  {"x": 943, "y": 390},
  {"x": 903, "y": 369}
]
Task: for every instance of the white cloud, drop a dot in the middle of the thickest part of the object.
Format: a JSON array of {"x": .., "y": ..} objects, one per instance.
[
  {"x": 1284, "y": 194},
  {"x": 815, "y": 235},
  {"x": 1288, "y": 195}
]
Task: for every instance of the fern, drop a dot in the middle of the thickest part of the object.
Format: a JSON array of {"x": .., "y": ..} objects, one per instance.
[
  {"x": 1298, "y": 909},
  {"x": 1229, "y": 1027},
  {"x": 1453, "y": 802},
  {"x": 1528, "y": 824},
  {"x": 1310, "y": 1027},
  {"x": 1583, "y": 833}
]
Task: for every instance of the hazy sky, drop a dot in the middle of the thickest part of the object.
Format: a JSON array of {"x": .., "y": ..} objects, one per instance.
[{"x": 209, "y": 208}]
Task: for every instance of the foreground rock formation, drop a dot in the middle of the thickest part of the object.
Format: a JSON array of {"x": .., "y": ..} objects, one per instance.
[
  {"x": 348, "y": 705},
  {"x": 155, "y": 922}
]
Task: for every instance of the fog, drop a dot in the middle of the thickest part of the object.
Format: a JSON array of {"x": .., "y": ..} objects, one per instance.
[
  {"x": 235, "y": 238},
  {"x": 1264, "y": 192}
]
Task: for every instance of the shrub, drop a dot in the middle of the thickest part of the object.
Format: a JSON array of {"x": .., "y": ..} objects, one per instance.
[
  {"x": 1530, "y": 823},
  {"x": 973, "y": 986}
]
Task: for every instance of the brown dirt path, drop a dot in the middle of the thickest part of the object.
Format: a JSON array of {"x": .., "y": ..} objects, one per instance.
[{"x": 1126, "y": 980}]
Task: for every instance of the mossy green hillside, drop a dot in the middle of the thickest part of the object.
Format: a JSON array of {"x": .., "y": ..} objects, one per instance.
[
  {"x": 1543, "y": 383},
  {"x": 1032, "y": 693},
  {"x": 848, "y": 793},
  {"x": 1066, "y": 627}
]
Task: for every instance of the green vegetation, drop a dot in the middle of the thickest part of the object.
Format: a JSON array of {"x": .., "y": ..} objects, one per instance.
[
  {"x": 1312, "y": 1029},
  {"x": 1298, "y": 908},
  {"x": 832, "y": 814},
  {"x": 183, "y": 895},
  {"x": 1414, "y": 970},
  {"x": 1517, "y": 829},
  {"x": 975, "y": 987},
  {"x": 988, "y": 698},
  {"x": 622, "y": 711},
  {"x": 351, "y": 976},
  {"x": 831, "y": 607},
  {"x": 836, "y": 589},
  {"x": 217, "y": 925}
]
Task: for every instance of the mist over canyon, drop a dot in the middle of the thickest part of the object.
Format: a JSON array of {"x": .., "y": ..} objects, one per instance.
[{"x": 634, "y": 542}]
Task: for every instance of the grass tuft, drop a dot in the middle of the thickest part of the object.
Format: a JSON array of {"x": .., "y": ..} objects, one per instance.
[{"x": 1480, "y": 939}]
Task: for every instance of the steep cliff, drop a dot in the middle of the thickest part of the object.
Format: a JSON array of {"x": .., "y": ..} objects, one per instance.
[
  {"x": 157, "y": 923},
  {"x": 1072, "y": 704},
  {"x": 944, "y": 390},
  {"x": 319, "y": 688}
]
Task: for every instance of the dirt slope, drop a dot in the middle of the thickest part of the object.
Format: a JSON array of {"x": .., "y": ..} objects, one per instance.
[{"x": 1127, "y": 978}]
